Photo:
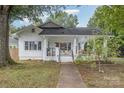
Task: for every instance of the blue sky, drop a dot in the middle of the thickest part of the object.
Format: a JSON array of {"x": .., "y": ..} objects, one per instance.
[{"x": 83, "y": 13}]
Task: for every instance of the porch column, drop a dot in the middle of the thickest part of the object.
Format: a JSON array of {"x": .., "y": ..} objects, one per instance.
[
  {"x": 57, "y": 54},
  {"x": 74, "y": 47},
  {"x": 45, "y": 43}
]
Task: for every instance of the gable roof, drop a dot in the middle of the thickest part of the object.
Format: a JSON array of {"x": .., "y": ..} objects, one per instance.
[
  {"x": 29, "y": 28},
  {"x": 49, "y": 25},
  {"x": 51, "y": 28},
  {"x": 70, "y": 31}
]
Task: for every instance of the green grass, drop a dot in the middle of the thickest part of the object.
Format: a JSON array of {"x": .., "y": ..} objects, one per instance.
[
  {"x": 117, "y": 60},
  {"x": 30, "y": 74}
]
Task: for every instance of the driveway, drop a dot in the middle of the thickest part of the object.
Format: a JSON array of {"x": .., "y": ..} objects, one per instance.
[{"x": 70, "y": 77}]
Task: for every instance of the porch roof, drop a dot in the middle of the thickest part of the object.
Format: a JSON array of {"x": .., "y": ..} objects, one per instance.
[
  {"x": 70, "y": 31},
  {"x": 51, "y": 28},
  {"x": 49, "y": 25}
]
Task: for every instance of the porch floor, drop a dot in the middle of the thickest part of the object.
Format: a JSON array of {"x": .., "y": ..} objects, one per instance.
[{"x": 70, "y": 77}]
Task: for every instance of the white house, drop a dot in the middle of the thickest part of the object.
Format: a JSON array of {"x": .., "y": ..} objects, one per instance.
[{"x": 51, "y": 41}]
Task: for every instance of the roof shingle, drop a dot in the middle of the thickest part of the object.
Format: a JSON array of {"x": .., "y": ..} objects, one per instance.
[{"x": 69, "y": 31}]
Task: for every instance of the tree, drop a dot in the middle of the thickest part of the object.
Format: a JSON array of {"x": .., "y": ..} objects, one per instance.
[
  {"x": 96, "y": 45},
  {"x": 108, "y": 19},
  {"x": 89, "y": 47},
  {"x": 111, "y": 22},
  {"x": 64, "y": 19},
  {"x": 10, "y": 13},
  {"x": 114, "y": 44},
  {"x": 12, "y": 29},
  {"x": 99, "y": 50},
  {"x": 37, "y": 22},
  {"x": 4, "y": 32}
]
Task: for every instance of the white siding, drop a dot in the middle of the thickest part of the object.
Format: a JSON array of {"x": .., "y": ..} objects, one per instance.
[
  {"x": 29, "y": 54},
  {"x": 38, "y": 54}
]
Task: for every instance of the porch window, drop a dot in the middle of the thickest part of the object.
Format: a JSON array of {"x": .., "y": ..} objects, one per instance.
[
  {"x": 69, "y": 46},
  {"x": 65, "y": 47},
  {"x": 32, "y": 45},
  {"x": 57, "y": 44}
]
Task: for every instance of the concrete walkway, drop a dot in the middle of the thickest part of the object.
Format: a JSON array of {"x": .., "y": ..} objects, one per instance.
[{"x": 70, "y": 77}]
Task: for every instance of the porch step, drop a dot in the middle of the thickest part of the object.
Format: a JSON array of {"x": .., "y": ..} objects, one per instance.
[{"x": 66, "y": 62}]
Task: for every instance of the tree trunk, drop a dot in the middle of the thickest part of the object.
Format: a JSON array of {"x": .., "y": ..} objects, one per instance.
[
  {"x": 4, "y": 34},
  {"x": 8, "y": 57},
  {"x": 99, "y": 64},
  {"x": 2, "y": 39}
]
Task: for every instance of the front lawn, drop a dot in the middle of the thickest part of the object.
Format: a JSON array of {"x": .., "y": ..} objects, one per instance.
[
  {"x": 30, "y": 74},
  {"x": 113, "y": 75}
]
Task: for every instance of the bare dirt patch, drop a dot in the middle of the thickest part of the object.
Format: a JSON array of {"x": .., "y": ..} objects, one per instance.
[{"x": 112, "y": 77}]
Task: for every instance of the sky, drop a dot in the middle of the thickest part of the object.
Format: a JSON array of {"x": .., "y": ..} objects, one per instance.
[{"x": 83, "y": 13}]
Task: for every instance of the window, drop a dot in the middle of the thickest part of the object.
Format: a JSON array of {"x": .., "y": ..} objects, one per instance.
[
  {"x": 57, "y": 44},
  {"x": 63, "y": 46},
  {"x": 26, "y": 45},
  {"x": 69, "y": 46},
  {"x": 35, "y": 46},
  {"x": 39, "y": 45},
  {"x": 32, "y": 45}
]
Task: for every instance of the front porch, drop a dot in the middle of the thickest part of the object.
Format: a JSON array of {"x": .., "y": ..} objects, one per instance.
[{"x": 60, "y": 48}]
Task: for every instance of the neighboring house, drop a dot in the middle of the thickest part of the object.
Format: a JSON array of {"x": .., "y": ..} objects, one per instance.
[
  {"x": 52, "y": 42},
  {"x": 13, "y": 42},
  {"x": 13, "y": 47}
]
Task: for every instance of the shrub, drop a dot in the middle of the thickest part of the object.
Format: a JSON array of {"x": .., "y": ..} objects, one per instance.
[{"x": 84, "y": 59}]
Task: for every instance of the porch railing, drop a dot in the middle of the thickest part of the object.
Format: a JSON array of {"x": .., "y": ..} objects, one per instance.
[
  {"x": 65, "y": 52},
  {"x": 50, "y": 51}
]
